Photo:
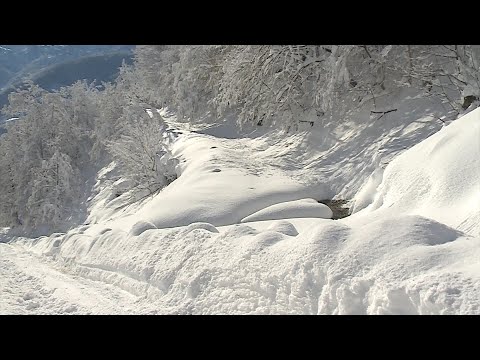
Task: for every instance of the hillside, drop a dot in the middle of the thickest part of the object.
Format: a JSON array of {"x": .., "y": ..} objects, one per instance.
[
  {"x": 246, "y": 179},
  {"x": 409, "y": 248}
]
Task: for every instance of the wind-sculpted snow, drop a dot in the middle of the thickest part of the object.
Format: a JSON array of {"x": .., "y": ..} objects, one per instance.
[
  {"x": 284, "y": 227},
  {"x": 392, "y": 265},
  {"x": 223, "y": 197},
  {"x": 438, "y": 178},
  {"x": 141, "y": 227},
  {"x": 302, "y": 208}
]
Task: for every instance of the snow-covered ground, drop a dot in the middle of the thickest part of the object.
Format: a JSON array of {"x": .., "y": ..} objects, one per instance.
[
  {"x": 241, "y": 232},
  {"x": 31, "y": 286}
]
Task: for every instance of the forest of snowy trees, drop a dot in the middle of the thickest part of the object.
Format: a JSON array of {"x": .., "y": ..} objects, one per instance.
[{"x": 61, "y": 139}]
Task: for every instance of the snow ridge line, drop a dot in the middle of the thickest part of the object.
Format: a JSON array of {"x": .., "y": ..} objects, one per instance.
[{"x": 126, "y": 280}]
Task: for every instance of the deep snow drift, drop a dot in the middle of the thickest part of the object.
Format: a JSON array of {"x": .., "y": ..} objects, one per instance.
[
  {"x": 227, "y": 238},
  {"x": 438, "y": 178},
  {"x": 31, "y": 286}
]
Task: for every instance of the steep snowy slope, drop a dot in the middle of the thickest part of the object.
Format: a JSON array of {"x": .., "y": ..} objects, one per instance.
[
  {"x": 412, "y": 247},
  {"x": 438, "y": 178},
  {"x": 227, "y": 176}
]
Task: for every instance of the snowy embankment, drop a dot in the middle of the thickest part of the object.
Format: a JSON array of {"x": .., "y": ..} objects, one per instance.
[
  {"x": 438, "y": 178},
  {"x": 29, "y": 285},
  {"x": 411, "y": 247}
]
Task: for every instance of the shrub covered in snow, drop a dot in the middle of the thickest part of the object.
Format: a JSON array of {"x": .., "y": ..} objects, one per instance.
[
  {"x": 141, "y": 152},
  {"x": 291, "y": 84},
  {"x": 49, "y": 156}
]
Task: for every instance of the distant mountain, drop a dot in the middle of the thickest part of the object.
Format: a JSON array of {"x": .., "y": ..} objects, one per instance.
[
  {"x": 98, "y": 67},
  {"x": 22, "y": 61},
  {"x": 54, "y": 66}
]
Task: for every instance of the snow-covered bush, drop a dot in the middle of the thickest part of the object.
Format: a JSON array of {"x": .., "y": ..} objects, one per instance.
[
  {"x": 449, "y": 72},
  {"x": 288, "y": 84},
  {"x": 141, "y": 152},
  {"x": 43, "y": 155}
]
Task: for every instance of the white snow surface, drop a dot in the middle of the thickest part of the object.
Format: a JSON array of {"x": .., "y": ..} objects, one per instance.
[
  {"x": 292, "y": 209},
  {"x": 438, "y": 178},
  {"x": 28, "y": 285},
  {"x": 229, "y": 236}
]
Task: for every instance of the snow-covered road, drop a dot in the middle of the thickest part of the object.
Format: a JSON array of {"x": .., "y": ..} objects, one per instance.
[{"x": 29, "y": 285}]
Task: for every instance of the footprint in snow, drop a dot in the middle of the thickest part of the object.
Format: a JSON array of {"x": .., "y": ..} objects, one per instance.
[
  {"x": 33, "y": 305},
  {"x": 28, "y": 296},
  {"x": 216, "y": 170},
  {"x": 70, "y": 309}
]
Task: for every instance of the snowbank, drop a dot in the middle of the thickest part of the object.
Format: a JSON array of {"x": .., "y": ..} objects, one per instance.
[
  {"x": 438, "y": 178},
  {"x": 398, "y": 265},
  {"x": 304, "y": 208},
  {"x": 218, "y": 185}
]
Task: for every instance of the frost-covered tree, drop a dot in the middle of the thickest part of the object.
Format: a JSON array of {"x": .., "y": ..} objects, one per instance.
[
  {"x": 62, "y": 138},
  {"x": 449, "y": 72},
  {"x": 141, "y": 152},
  {"x": 54, "y": 190},
  {"x": 43, "y": 152},
  {"x": 154, "y": 70},
  {"x": 288, "y": 84},
  {"x": 8, "y": 187},
  {"x": 184, "y": 78},
  {"x": 272, "y": 84},
  {"x": 196, "y": 78},
  {"x": 265, "y": 84}
]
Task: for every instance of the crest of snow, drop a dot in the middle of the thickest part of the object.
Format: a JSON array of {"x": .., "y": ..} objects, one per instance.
[
  {"x": 141, "y": 227},
  {"x": 303, "y": 208},
  {"x": 284, "y": 227},
  {"x": 367, "y": 193},
  {"x": 438, "y": 178}
]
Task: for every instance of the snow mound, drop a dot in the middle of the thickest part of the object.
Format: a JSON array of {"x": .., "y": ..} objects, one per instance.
[
  {"x": 284, "y": 227},
  {"x": 304, "y": 208},
  {"x": 200, "y": 225},
  {"x": 405, "y": 264},
  {"x": 141, "y": 227},
  {"x": 266, "y": 238},
  {"x": 368, "y": 191},
  {"x": 203, "y": 194},
  {"x": 438, "y": 178}
]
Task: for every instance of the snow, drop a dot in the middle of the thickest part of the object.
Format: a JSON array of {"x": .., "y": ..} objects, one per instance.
[
  {"x": 30, "y": 286},
  {"x": 208, "y": 168},
  {"x": 302, "y": 208},
  {"x": 438, "y": 178},
  {"x": 241, "y": 232},
  {"x": 138, "y": 228},
  {"x": 284, "y": 227},
  {"x": 366, "y": 194}
]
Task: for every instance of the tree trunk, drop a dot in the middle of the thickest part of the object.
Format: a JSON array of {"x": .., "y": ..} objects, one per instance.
[{"x": 410, "y": 64}]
